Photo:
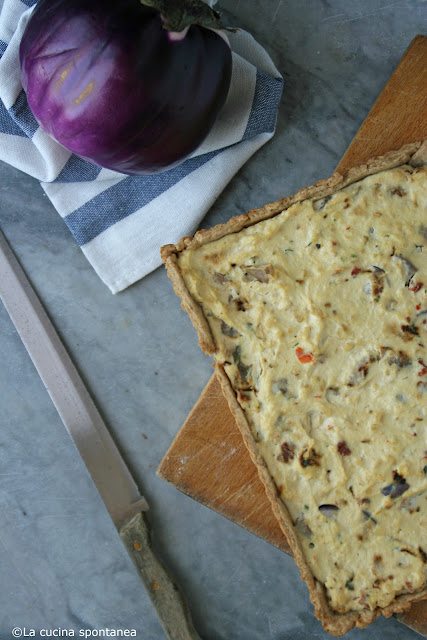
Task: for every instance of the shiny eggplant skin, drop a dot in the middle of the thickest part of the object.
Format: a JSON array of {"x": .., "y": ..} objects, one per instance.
[{"x": 106, "y": 80}]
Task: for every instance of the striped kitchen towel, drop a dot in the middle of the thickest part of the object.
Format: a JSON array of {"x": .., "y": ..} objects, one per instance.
[{"x": 120, "y": 221}]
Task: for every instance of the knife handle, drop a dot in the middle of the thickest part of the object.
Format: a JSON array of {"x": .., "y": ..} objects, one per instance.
[{"x": 167, "y": 598}]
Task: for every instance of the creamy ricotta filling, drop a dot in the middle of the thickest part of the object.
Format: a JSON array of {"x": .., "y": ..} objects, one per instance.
[{"x": 319, "y": 315}]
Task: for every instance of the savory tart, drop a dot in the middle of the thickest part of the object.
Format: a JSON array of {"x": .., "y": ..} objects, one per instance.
[{"x": 315, "y": 310}]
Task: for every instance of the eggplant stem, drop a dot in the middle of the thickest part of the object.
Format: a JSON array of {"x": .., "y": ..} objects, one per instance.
[{"x": 180, "y": 14}]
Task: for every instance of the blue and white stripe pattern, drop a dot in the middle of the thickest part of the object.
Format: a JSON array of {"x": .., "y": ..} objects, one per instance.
[{"x": 119, "y": 221}]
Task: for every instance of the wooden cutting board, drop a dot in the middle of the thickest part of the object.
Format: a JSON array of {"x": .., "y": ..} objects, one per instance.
[{"x": 208, "y": 460}]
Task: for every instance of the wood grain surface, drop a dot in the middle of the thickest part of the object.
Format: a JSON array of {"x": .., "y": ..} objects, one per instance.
[{"x": 208, "y": 459}]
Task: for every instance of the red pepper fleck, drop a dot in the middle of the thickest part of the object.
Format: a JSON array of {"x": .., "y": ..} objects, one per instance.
[
  {"x": 343, "y": 449},
  {"x": 304, "y": 357},
  {"x": 347, "y": 228},
  {"x": 355, "y": 271},
  {"x": 317, "y": 396},
  {"x": 418, "y": 307},
  {"x": 416, "y": 287},
  {"x": 423, "y": 371}
]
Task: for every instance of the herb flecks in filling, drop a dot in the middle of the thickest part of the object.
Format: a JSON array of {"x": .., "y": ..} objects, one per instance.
[{"x": 323, "y": 335}]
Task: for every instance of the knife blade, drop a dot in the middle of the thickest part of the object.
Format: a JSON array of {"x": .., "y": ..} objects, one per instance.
[{"x": 94, "y": 443}]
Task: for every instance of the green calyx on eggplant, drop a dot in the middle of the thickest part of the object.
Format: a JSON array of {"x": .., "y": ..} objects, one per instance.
[
  {"x": 129, "y": 87},
  {"x": 178, "y": 15}
]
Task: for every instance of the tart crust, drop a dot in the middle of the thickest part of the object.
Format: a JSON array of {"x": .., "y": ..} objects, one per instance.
[{"x": 414, "y": 154}]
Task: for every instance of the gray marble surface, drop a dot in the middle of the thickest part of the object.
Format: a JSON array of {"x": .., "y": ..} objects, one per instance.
[{"x": 62, "y": 565}]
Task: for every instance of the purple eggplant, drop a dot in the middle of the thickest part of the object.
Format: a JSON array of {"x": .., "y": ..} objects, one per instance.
[{"x": 112, "y": 81}]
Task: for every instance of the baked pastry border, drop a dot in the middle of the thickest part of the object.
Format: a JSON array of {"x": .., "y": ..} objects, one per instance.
[{"x": 414, "y": 154}]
